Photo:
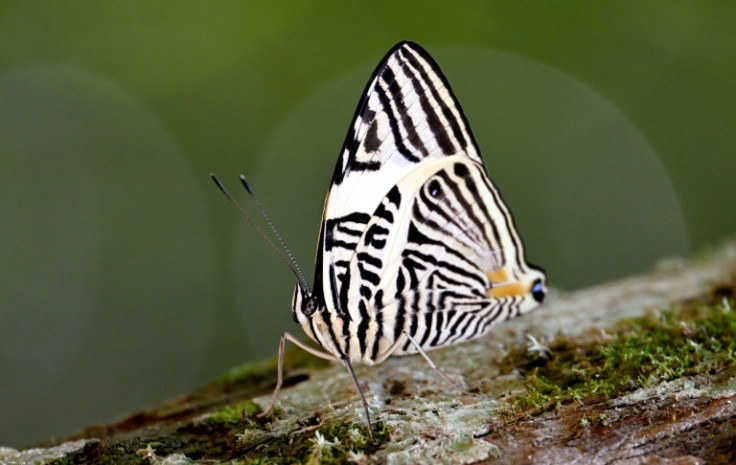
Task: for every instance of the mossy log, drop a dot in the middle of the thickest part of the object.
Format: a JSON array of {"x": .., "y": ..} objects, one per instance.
[{"x": 637, "y": 371}]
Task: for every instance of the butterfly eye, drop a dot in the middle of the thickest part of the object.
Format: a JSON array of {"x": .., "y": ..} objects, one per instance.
[
  {"x": 435, "y": 189},
  {"x": 538, "y": 290},
  {"x": 310, "y": 306}
]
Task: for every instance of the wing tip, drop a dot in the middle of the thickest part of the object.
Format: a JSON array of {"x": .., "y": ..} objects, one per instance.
[{"x": 405, "y": 44}]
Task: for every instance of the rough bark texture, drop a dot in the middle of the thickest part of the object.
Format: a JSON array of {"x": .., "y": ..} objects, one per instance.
[{"x": 672, "y": 411}]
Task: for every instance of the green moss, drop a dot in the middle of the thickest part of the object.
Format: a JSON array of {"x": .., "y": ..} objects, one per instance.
[
  {"x": 690, "y": 340},
  {"x": 331, "y": 443},
  {"x": 347, "y": 442},
  {"x": 62, "y": 461},
  {"x": 233, "y": 414},
  {"x": 294, "y": 358}
]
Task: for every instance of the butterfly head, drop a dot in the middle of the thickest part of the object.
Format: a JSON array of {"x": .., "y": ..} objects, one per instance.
[{"x": 304, "y": 304}]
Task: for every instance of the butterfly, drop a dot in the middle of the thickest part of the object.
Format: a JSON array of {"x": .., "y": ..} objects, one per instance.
[{"x": 417, "y": 249}]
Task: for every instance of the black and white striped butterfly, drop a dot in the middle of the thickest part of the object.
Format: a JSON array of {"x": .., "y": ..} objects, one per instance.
[{"x": 417, "y": 249}]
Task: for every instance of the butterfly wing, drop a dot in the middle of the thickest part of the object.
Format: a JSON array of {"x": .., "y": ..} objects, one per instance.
[
  {"x": 452, "y": 265},
  {"x": 406, "y": 116},
  {"x": 415, "y": 237}
]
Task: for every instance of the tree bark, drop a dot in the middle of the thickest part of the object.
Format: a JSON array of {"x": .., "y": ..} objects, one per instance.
[{"x": 418, "y": 418}]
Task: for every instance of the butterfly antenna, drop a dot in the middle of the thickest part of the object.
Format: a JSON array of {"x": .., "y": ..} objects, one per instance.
[
  {"x": 275, "y": 231},
  {"x": 289, "y": 262}
]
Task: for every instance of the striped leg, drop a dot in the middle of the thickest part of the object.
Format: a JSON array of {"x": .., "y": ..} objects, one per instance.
[
  {"x": 433, "y": 366},
  {"x": 405, "y": 335},
  {"x": 347, "y": 364},
  {"x": 280, "y": 379}
]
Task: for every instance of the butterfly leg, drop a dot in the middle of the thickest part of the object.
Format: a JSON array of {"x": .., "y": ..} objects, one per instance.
[
  {"x": 401, "y": 340},
  {"x": 347, "y": 364},
  {"x": 280, "y": 378},
  {"x": 385, "y": 354},
  {"x": 432, "y": 365}
]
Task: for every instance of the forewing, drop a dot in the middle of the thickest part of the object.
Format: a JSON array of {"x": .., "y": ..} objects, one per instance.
[{"x": 408, "y": 116}]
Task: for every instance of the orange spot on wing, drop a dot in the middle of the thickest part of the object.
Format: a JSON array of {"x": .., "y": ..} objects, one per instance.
[
  {"x": 508, "y": 290},
  {"x": 498, "y": 276},
  {"x": 503, "y": 287}
]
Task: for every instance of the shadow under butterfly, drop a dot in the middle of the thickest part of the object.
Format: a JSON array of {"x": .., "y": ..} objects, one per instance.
[{"x": 417, "y": 249}]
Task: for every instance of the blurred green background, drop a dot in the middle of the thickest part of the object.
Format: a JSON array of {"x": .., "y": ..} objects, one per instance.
[{"x": 126, "y": 278}]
